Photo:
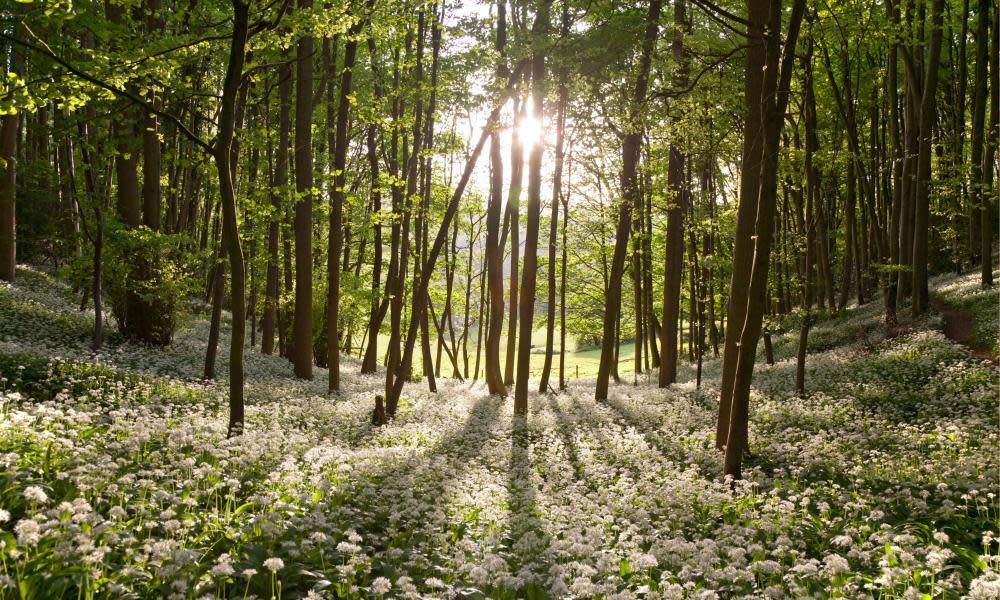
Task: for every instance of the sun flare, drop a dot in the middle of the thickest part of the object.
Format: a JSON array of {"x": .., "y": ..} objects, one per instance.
[{"x": 529, "y": 131}]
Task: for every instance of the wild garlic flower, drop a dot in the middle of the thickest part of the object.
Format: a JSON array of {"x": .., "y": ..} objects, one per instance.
[
  {"x": 274, "y": 564},
  {"x": 33, "y": 493}
]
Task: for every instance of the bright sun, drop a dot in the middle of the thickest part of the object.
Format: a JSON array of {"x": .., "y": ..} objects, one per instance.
[{"x": 529, "y": 130}]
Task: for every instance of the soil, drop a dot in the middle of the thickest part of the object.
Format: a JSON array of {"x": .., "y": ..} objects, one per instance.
[{"x": 958, "y": 327}]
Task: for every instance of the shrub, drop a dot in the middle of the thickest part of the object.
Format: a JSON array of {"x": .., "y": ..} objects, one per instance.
[{"x": 146, "y": 282}]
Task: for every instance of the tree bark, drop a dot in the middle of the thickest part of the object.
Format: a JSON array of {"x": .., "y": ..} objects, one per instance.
[
  {"x": 631, "y": 147},
  {"x": 528, "y": 280},
  {"x": 677, "y": 193},
  {"x": 339, "y": 144},
  {"x": 766, "y": 94},
  {"x": 494, "y": 251},
  {"x": 989, "y": 160},
  {"x": 514, "y": 211},
  {"x": 550, "y": 324},
  {"x": 927, "y": 117},
  {"x": 977, "y": 167},
  {"x": 271, "y": 286},
  {"x": 8, "y": 186},
  {"x": 226, "y": 167},
  {"x": 302, "y": 342}
]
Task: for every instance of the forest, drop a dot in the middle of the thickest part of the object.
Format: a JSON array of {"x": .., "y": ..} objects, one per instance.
[{"x": 501, "y": 299}]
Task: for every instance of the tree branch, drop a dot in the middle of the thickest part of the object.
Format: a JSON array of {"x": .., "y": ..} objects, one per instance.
[{"x": 124, "y": 93}]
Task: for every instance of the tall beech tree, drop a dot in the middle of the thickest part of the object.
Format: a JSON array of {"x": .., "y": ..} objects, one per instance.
[
  {"x": 302, "y": 343},
  {"x": 766, "y": 92},
  {"x": 494, "y": 267},
  {"x": 337, "y": 192},
  {"x": 928, "y": 106},
  {"x": 529, "y": 274},
  {"x": 631, "y": 148},
  {"x": 560, "y": 154},
  {"x": 677, "y": 185}
]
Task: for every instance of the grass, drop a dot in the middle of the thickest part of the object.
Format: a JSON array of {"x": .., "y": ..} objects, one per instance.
[{"x": 581, "y": 362}]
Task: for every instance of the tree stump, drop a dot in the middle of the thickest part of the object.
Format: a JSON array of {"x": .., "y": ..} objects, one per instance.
[{"x": 378, "y": 415}]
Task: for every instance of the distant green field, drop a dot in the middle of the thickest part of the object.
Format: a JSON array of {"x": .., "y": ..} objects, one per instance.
[{"x": 580, "y": 362}]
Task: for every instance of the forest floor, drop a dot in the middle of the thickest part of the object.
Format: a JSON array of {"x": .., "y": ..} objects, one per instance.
[
  {"x": 960, "y": 328},
  {"x": 116, "y": 478}
]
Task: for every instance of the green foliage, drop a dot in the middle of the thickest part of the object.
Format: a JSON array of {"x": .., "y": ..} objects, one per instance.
[{"x": 147, "y": 281}]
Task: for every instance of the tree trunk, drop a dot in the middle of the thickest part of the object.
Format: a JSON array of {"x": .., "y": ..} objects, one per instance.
[
  {"x": 528, "y": 283},
  {"x": 562, "y": 297},
  {"x": 927, "y": 119},
  {"x": 766, "y": 94},
  {"x": 514, "y": 210},
  {"x": 977, "y": 168},
  {"x": 302, "y": 342},
  {"x": 226, "y": 167},
  {"x": 151, "y": 196},
  {"x": 338, "y": 142},
  {"x": 811, "y": 223},
  {"x": 280, "y": 181},
  {"x": 218, "y": 297},
  {"x": 8, "y": 185},
  {"x": 494, "y": 251},
  {"x": 631, "y": 147},
  {"x": 550, "y": 324},
  {"x": 989, "y": 164},
  {"x": 677, "y": 186}
]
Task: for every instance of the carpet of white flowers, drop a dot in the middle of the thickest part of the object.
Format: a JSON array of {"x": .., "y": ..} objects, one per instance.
[
  {"x": 117, "y": 480},
  {"x": 967, "y": 294}
]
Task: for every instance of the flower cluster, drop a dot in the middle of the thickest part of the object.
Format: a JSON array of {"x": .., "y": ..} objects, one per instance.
[{"x": 121, "y": 482}]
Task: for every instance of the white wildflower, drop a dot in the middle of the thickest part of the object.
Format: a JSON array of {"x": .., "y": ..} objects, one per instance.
[
  {"x": 274, "y": 564},
  {"x": 381, "y": 586},
  {"x": 35, "y": 494}
]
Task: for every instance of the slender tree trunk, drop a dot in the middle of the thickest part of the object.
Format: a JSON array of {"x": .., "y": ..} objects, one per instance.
[
  {"x": 528, "y": 283},
  {"x": 849, "y": 217},
  {"x": 562, "y": 297},
  {"x": 514, "y": 210},
  {"x": 631, "y": 147},
  {"x": 339, "y": 144},
  {"x": 226, "y": 166},
  {"x": 397, "y": 262},
  {"x": 653, "y": 333},
  {"x": 8, "y": 186},
  {"x": 484, "y": 317},
  {"x": 811, "y": 223},
  {"x": 97, "y": 237},
  {"x": 473, "y": 239},
  {"x": 151, "y": 162},
  {"x": 977, "y": 167},
  {"x": 766, "y": 93},
  {"x": 66, "y": 167},
  {"x": 218, "y": 297},
  {"x": 302, "y": 352},
  {"x": 494, "y": 249},
  {"x": 989, "y": 160},
  {"x": 892, "y": 98},
  {"x": 8, "y": 179},
  {"x": 550, "y": 324},
  {"x": 927, "y": 119},
  {"x": 677, "y": 186},
  {"x": 370, "y": 362}
]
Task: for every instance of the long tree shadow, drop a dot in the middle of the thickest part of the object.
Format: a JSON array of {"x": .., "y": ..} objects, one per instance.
[
  {"x": 565, "y": 427},
  {"x": 528, "y": 540},
  {"x": 399, "y": 509},
  {"x": 675, "y": 448}
]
